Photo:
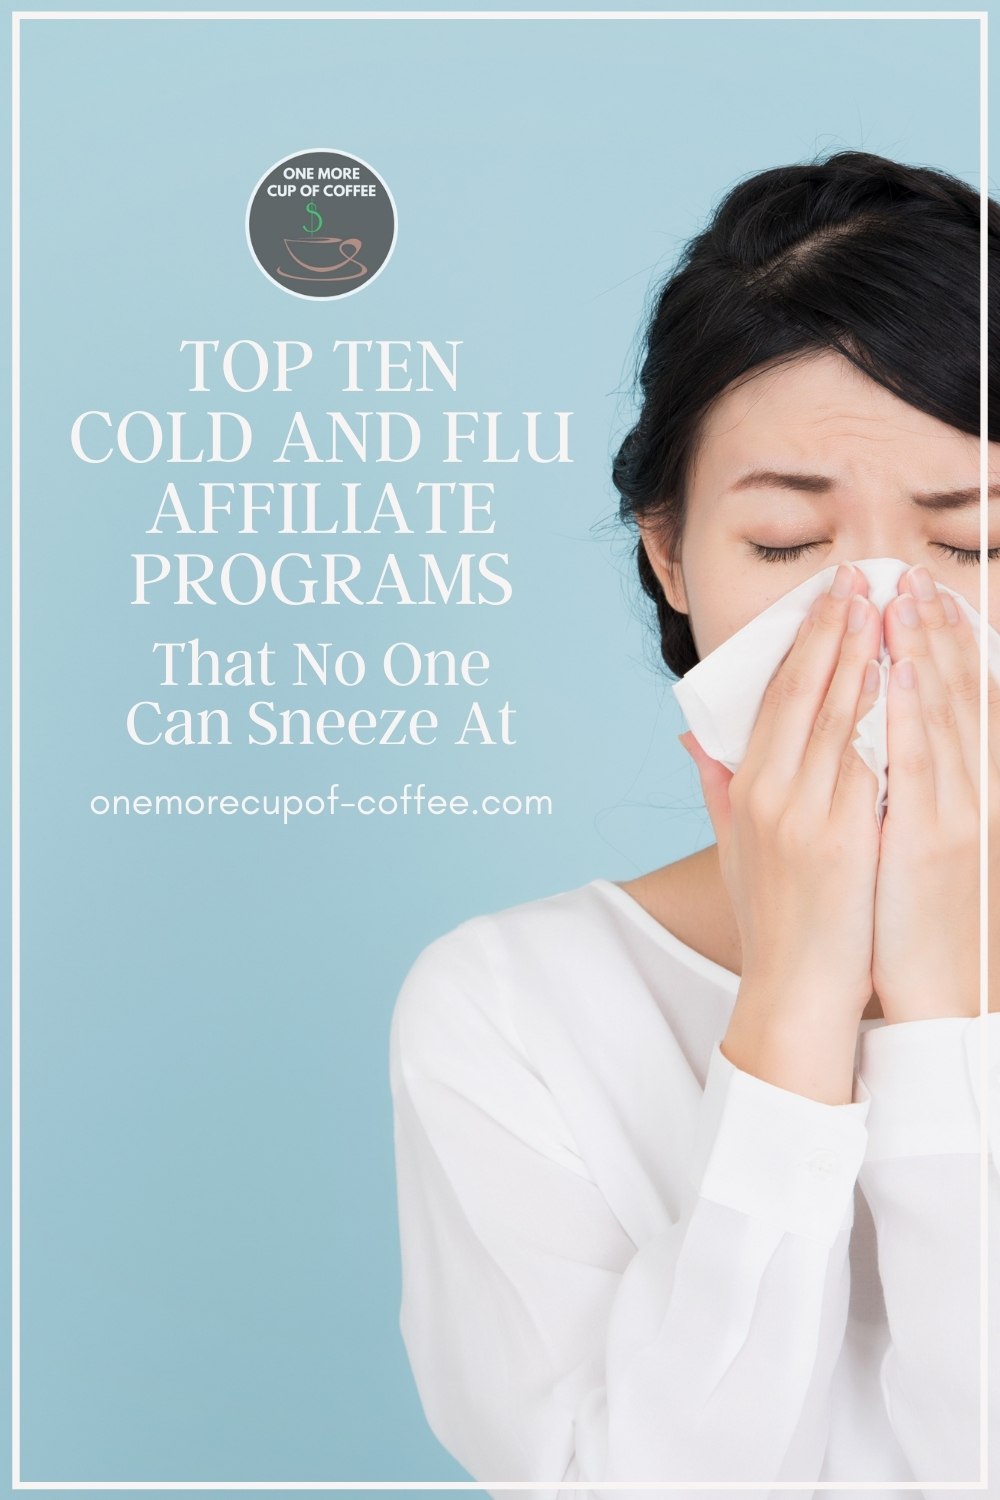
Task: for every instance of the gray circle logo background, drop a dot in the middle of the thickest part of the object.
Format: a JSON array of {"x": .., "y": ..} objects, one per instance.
[{"x": 321, "y": 224}]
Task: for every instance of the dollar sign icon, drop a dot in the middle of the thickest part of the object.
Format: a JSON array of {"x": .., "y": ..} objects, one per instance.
[{"x": 314, "y": 211}]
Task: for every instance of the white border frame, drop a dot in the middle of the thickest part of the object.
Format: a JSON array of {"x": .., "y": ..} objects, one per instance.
[{"x": 17, "y": 1483}]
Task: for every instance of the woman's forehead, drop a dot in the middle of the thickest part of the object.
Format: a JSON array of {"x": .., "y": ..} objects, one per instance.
[{"x": 821, "y": 413}]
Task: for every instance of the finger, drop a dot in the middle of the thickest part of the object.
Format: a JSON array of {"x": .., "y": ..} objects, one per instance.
[
  {"x": 963, "y": 677},
  {"x": 856, "y": 783},
  {"x": 951, "y": 642},
  {"x": 911, "y": 791},
  {"x": 795, "y": 693},
  {"x": 912, "y": 626},
  {"x": 833, "y": 726},
  {"x": 963, "y": 636}
]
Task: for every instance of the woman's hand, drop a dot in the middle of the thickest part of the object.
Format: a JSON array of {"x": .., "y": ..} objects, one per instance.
[
  {"x": 798, "y": 852},
  {"x": 925, "y": 959}
]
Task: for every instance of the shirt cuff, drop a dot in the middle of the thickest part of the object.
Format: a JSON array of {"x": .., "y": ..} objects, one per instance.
[
  {"x": 922, "y": 1082},
  {"x": 777, "y": 1155}
]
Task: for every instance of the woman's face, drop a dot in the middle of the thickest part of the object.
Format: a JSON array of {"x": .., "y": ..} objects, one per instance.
[{"x": 855, "y": 460}]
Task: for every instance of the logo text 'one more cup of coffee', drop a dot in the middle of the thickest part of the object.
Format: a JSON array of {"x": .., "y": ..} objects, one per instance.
[{"x": 321, "y": 223}]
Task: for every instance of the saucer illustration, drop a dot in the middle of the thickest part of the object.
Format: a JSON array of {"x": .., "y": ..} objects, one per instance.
[{"x": 317, "y": 256}]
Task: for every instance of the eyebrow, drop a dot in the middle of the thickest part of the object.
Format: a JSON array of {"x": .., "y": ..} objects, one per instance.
[{"x": 821, "y": 484}]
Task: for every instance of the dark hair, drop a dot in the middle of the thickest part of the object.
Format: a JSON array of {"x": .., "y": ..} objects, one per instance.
[{"x": 865, "y": 256}]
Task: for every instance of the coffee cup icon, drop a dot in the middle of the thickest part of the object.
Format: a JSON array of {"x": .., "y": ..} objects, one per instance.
[{"x": 317, "y": 254}]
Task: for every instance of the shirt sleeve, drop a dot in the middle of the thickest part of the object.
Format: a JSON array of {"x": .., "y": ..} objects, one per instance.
[
  {"x": 928, "y": 1183},
  {"x": 546, "y": 1345}
]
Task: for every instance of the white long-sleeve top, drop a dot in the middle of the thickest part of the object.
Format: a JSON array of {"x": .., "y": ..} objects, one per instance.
[{"x": 624, "y": 1258}]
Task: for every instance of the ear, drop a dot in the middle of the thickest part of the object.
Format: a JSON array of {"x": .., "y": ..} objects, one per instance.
[{"x": 666, "y": 568}]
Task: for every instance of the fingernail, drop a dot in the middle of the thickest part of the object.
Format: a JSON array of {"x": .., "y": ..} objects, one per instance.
[
  {"x": 907, "y": 610},
  {"x": 858, "y": 613},
  {"x": 905, "y": 673},
  {"x": 950, "y": 607},
  {"x": 842, "y": 581},
  {"x": 923, "y": 583},
  {"x": 871, "y": 677}
]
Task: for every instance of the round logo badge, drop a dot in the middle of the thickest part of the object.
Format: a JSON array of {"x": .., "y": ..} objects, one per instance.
[{"x": 321, "y": 224}]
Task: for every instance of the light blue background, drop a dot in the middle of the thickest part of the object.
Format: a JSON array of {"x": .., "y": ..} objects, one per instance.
[{"x": 210, "y": 1277}]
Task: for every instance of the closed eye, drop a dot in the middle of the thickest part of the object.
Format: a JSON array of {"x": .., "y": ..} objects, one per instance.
[{"x": 964, "y": 556}]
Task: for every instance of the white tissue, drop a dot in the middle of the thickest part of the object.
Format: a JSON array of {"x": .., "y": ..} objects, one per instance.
[{"x": 722, "y": 694}]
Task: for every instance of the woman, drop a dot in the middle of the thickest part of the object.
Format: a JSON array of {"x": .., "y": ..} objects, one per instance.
[{"x": 688, "y": 1165}]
